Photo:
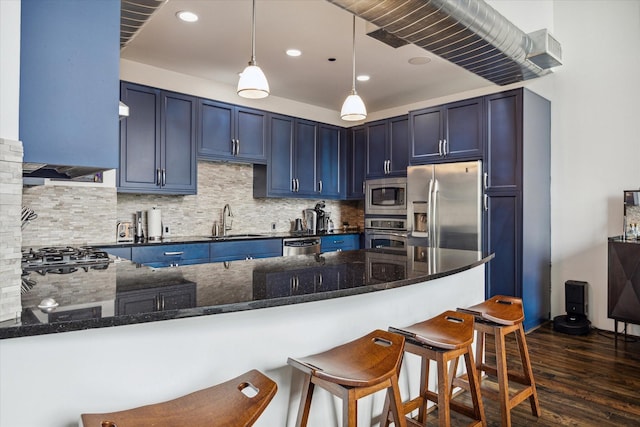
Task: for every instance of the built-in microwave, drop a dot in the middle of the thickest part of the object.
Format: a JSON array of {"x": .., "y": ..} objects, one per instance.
[{"x": 386, "y": 196}]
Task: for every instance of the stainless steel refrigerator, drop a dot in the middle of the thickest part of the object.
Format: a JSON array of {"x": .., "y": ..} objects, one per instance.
[{"x": 444, "y": 203}]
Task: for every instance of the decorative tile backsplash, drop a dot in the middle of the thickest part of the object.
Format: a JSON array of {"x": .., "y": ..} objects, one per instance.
[
  {"x": 88, "y": 215},
  {"x": 10, "y": 234}
]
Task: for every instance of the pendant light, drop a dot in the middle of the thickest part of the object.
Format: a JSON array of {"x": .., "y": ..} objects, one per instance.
[
  {"x": 253, "y": 83},
  {"x": 353, "y": 108}
]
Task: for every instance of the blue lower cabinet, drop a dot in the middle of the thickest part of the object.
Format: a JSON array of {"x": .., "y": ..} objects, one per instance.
[
  {"x": 245, "y": 249},
  {"x": 341, "y": 242},
  {"x": 171, "y": 255},
  {"x": 159, "y": 298}
]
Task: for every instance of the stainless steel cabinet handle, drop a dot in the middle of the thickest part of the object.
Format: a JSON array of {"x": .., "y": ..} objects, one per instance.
[
  {"x": 173, "y": 253},
  {"x": 363, "y": 190},
  {"x": 297, "y": 185},
  {"x": 164, "y": 177},
  {"x": 158, "y": 177},
  {"x": 293, "y": 185},
  {"x": 485, "y": 180},
  {"x": 486, "y": 202},
  {"x": 233, "y": 147},
  {"x": 445, "y": 146},
  {"x": 319, "y": 279},
  {"x": 440, "y": 147},
  {"x": 320, "y": 186},
  {"x": 237, "y": 146}
]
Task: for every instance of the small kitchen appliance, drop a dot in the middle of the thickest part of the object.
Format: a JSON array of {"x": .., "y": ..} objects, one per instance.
[
  {"x": 154, "y": 224},
  {"x": 297, "y": 228},
  {"x": 139, "y": 231},
  {"x": 322, "y": 217},
  {"x": 124, "y": 232},
  {"x": 310, "y": 220}
]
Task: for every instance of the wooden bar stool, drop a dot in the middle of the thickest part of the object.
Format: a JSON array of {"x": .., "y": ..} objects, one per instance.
[
  {"x": 443, "y": 338},
  {"x": 235, "y": 403},
  {"x": 354, "y": 370},
  {"x": 500, "y": 316}
]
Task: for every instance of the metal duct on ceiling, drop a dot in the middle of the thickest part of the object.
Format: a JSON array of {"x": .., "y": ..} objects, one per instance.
[
  {"x": 133, "y": 15},
  {"x": 469, "y": 33}
]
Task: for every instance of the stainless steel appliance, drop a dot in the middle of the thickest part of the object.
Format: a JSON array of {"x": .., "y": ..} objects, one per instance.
[
  {"x": 444, "y": 204},
  {"x": 60, "y": 260},
  {"x": 389, "y": 233},
  {"x": 300, "y": 246},
  {"x": 310, "y": 220},
  {"x": 386, "y": 196}
]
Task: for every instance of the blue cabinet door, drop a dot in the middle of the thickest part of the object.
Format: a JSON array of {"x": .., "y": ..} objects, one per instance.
[
  {"x": 356, "y": 161},
  {"x": 331, "y": 161},
  {"x": 215, "y": 130},
  {"x": 276, "y": 179},
  {"x": 305, "y": 172},
  {"x": 178, "y": 143},
  {"x": 251, "y": 135},
  {"x": 173, "y": 254},
  {"x": 398, "y": 146},
  {"x": 377, "y": 149},
  {"x": 245, "y": 249},
  {"x": 340, "y": 242},
  {"x": 140, "y": 139},
  {"x": 426, "y": 135},
  {"x": 69, "y": 76}
]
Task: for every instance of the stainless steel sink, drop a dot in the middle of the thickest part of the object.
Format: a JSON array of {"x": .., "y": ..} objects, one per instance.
[{"x": 234, "y": 236}]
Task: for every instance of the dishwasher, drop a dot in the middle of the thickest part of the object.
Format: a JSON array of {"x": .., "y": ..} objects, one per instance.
[{"x": 300, "y": 246}]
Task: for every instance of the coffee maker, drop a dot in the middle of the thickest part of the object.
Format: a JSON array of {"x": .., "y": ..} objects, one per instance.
[{"x": 323, "y": 217}]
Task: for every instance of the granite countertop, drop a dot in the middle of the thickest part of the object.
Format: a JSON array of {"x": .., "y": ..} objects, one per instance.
[{"x": 128, "y": 293}]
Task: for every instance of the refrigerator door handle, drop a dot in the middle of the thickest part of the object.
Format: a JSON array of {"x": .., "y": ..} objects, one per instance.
[
  {"x": 434, "y": 238},
  {"x": 430, "y": 218}
]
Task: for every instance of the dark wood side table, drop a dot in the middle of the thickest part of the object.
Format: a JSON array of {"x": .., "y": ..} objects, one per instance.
[{"x": 623, "y": 282}]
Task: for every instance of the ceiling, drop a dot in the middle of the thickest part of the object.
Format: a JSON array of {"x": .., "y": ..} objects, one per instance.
[{"x": 218, "y": 46}]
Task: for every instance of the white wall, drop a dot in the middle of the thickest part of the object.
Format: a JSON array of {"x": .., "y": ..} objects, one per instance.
[{"x": 10, "y": 69}]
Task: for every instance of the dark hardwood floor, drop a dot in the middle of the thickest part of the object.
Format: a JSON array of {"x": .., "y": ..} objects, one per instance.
[{"x": 581, "y": 381}]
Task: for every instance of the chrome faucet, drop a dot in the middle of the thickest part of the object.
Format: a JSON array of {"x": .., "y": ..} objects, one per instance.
[{"x": 226, "y": 219}]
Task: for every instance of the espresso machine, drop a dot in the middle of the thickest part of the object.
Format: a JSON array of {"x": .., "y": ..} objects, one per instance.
[{"x": 322, "y": 217}]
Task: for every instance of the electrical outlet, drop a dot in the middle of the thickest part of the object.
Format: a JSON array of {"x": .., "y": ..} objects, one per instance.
[{"x": 273, "y": 226}]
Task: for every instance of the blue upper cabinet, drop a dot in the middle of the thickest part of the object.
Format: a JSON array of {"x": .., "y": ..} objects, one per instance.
[
  {"x": 157, "y": 142},
  {"x": 387, "y": 147},
  {"x": 231, "y": 133},
  {"x": 451, "y": 132},
  {"x": 69, "y": 76}
]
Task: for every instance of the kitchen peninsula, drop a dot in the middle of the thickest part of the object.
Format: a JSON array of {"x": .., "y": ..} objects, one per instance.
[{"x": 246, "y": 314}]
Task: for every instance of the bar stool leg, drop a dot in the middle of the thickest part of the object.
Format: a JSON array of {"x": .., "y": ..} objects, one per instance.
[
  {"x": 503, "y": 377},
  {"x": 528, "y": 371},
  {"x": 474, "y": 385},
  {"x": 350, "y": 409},
  {"x": 424, "y": 388},
  {"x": 444, "y": 392},
  {"x": 305, "y": 402}
]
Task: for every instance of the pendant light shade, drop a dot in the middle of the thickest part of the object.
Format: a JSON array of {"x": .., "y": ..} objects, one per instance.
[
  {"x": 253, "y": 83},
  {"x": 353, "y": 108}
]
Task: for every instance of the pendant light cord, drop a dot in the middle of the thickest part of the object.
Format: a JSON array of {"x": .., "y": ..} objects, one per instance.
[
  {"x": 253, "y": 34},
  {"x": 353, "y": 86}
]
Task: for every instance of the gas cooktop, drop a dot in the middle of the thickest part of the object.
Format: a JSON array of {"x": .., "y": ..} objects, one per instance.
[{"x": 64, "y": 259}]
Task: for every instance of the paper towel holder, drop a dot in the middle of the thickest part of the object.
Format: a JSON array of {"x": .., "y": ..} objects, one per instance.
[{"x": 154, "y": 224}]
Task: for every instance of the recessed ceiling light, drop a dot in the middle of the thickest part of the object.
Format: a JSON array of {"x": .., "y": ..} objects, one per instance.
[
  {"x": 187, "y": 16},
  {"x": 419, "y": 60},
  {"x": 294, "y": 52},
  {"x": 363, "y": 78}
]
